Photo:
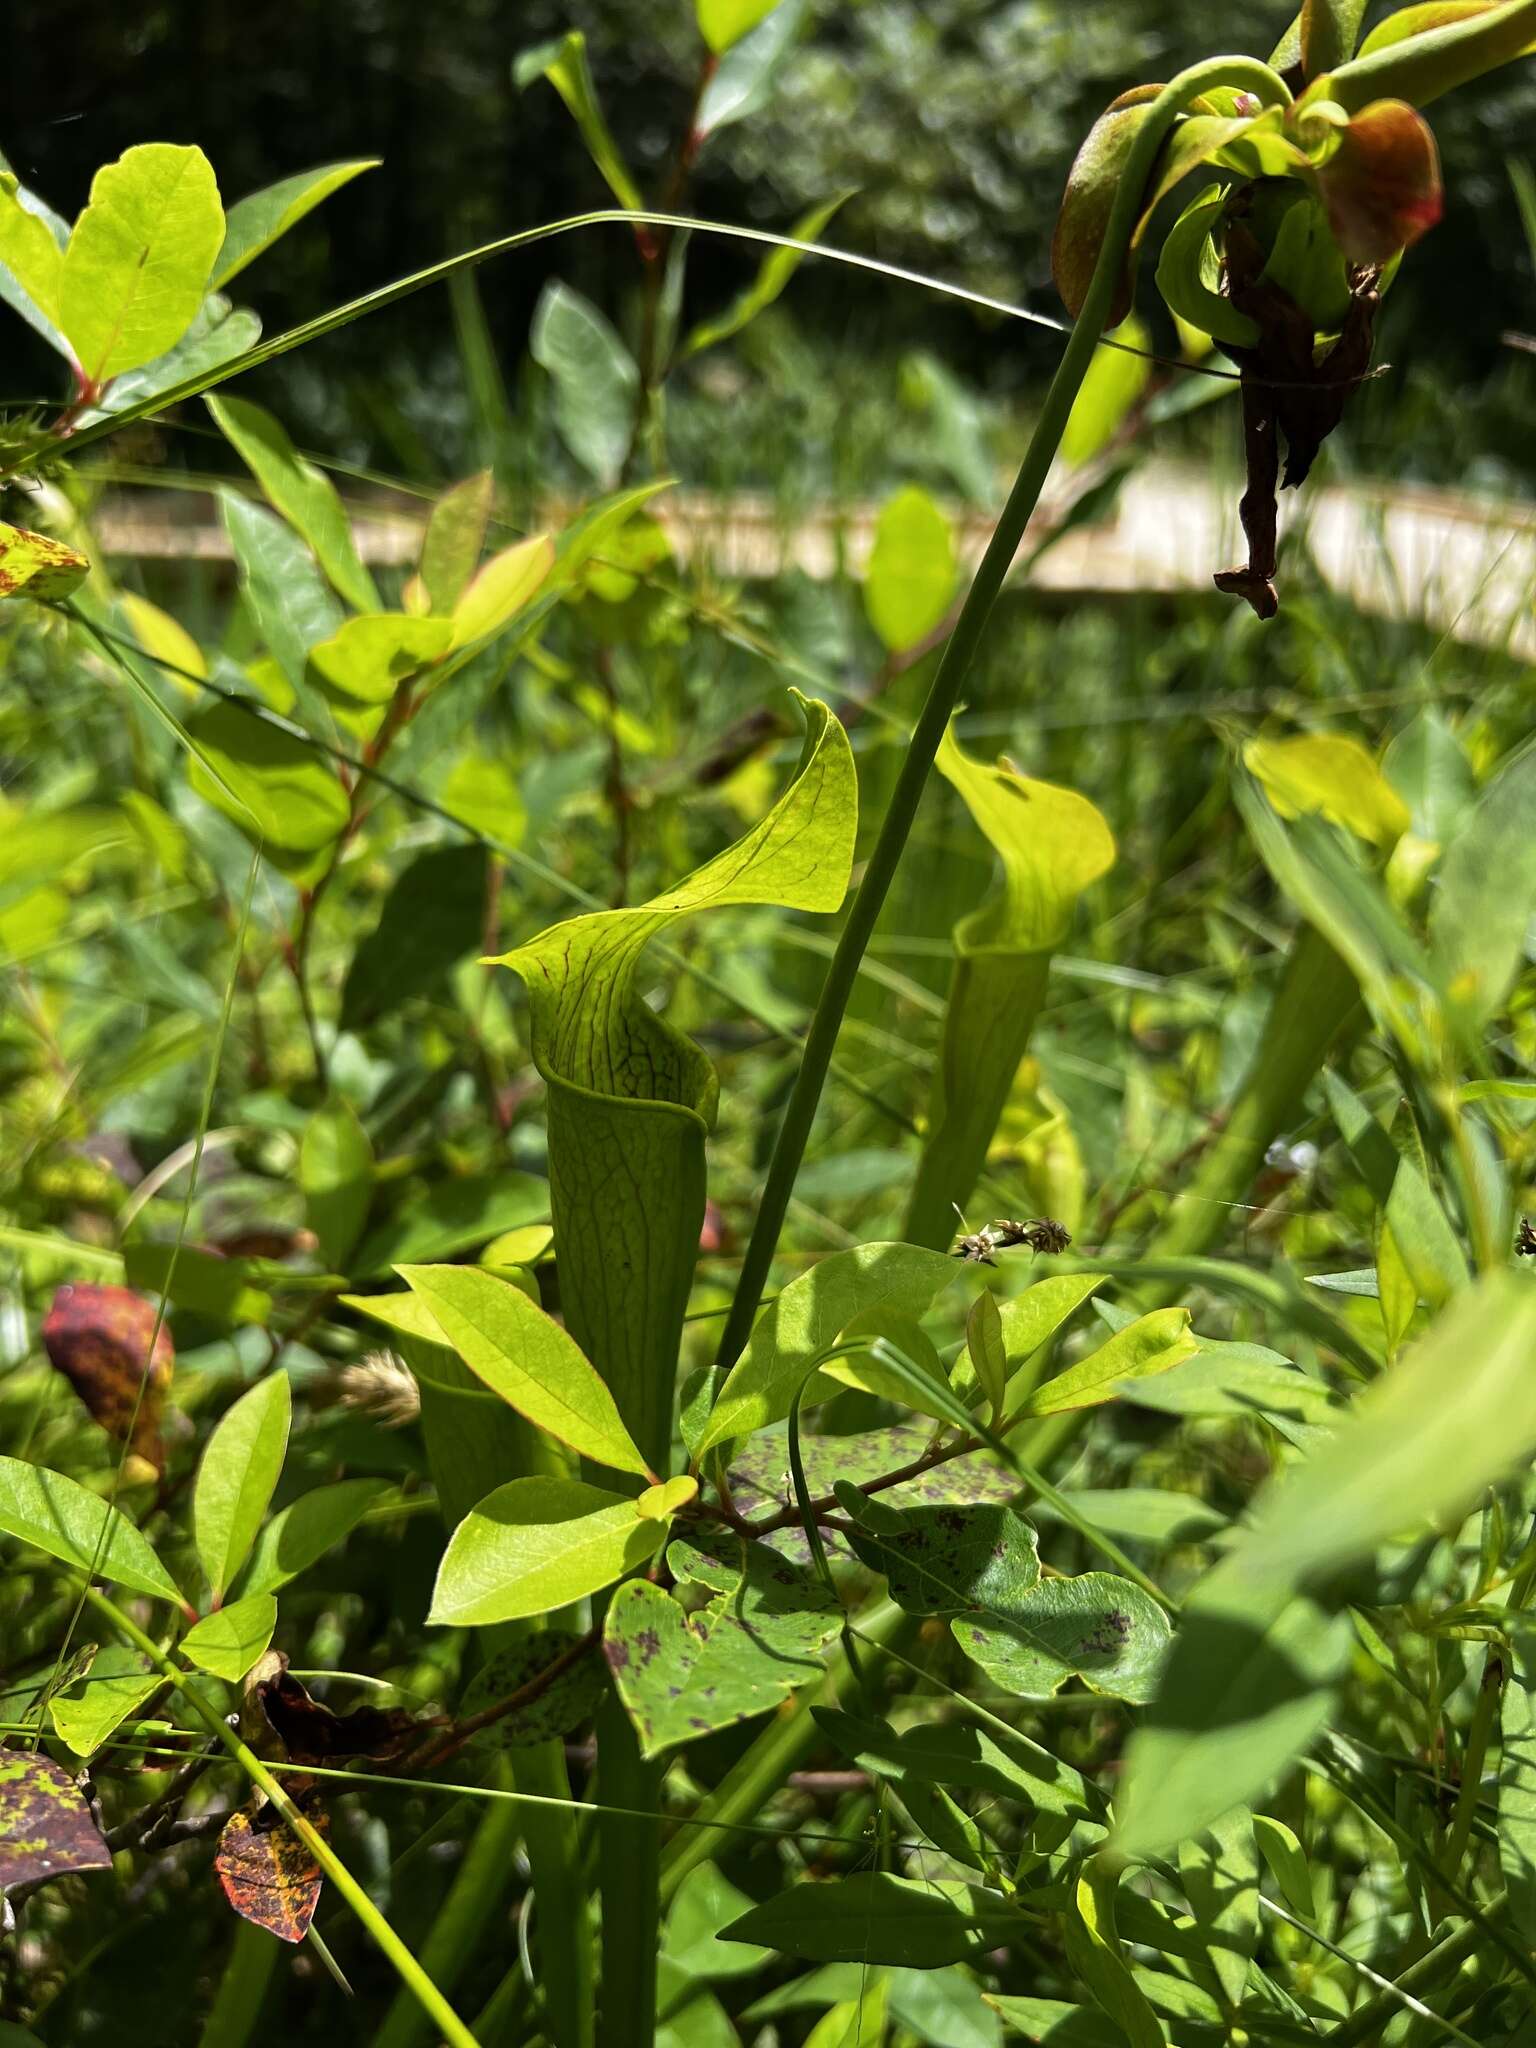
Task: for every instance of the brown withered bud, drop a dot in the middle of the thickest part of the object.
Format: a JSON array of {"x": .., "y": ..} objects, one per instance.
[
  {"x": 1525, "y": 1239},
  {"x": 99, "y": 1338},
  {"x": 1042, "y": 1234}
]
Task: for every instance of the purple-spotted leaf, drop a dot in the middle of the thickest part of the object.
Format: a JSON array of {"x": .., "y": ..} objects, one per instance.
[
  {"x": 758, "y": 1635},
  {"x": 32, "y": 565},
  {"x": 46, "y": 1827},
  {"x": 946, "y": 1560},
  {"x": 1382, "y": 186},
  {"x": 269, "y": 1875},
  {"x": 559, "y": 1707},
  {"x": 1098, "y": 1628}
]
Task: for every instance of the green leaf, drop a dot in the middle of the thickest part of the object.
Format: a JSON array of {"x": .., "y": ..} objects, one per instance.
[
  {"x": 32, "y": 565},
  {"x": 1219, "y": 1870},
  {"x": 856, "y": 2022},
  {"x": 1425, "y": 1242},
  {"x": 596, "y": 383},
  {"x": 876, "y": 1918},
  {"x": 303, "y": 494},
  {"x": 494, "y": 596},
  {"x": 214, "y": 1286},
  {"x": 1189, "y": 274},
  {"x": 564, "y": 63},
  {"x": 253, "y": 770},
  {"x": 239, "y": 1469},
  {"x": 254, "y": 223},
  {"x": 806, "y": 1319},
  {"x": 1097, "y": 1627},
  {"x": 140, "y": 258},
  {"x": 701, "y": 1906},
  {"x": 538, "y": 1544},
  {"x": 1517, "y": 1781},
  {"x": 454, "y": 537},
  {"x": 1140, "y": 1514},
  {"x": 451, "y": 1217},
  {"x": 230, "y": 1642},
  {"x": 630, "y": 1099},
  {"x": 301, "y": 1533},
  {"x": 744, "y": 79},
  {"x": 115, "y": 1684},
  {"x": 279, "y": 578},
  {"x": 774, "y": 272},
  {"x": 336, "y": 1177},
  {"x": 524, "y": 1356},
  {"x": 1116, "y": 379},
  {"x": 1061, "y": 2025},
  {"x": 1428, "y": 767},
  {"x": 219, "y": 334},
  {"x": 1151, "y": 1344},
  {"x": 896, "y": 1360},
  {"x": 33, "y": 261},
  {"x": 945, "y": 1560},
  {"x": 1238, "y": 1379},
  {"x": 955, "y": 1755},
  {"x": 912, "y": 571},
  {"x": 1333, "y": 775},
  {"x": 1287, "y": 1861},
  {"x": 366, "y": 659},
  {"x": 1477, "y": 933},
  {"x": 433, "y": 916},
  {"x": 723, "y": 22},
  {"x": 56, "y": 1515},
  {"x": 760, "y": 1635},
  {"x": 1093, "y": 1950},
  {"x": 565, "y": 1701},
  {"x": 987, "y": 1348},
  {"x": 1421, "y": 52}
]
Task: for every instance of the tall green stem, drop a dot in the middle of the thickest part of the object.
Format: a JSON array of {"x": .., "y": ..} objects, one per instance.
[
  {"x": 629, "y": 1874},
  {"x": 236, "y": 2010},
  {"x": 949, "y": 680}
]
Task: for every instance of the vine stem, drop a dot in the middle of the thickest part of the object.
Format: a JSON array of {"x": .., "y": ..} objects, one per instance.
[
  {"x": 1248, "y": 74},
  {"x": 410, "y": 1971}
]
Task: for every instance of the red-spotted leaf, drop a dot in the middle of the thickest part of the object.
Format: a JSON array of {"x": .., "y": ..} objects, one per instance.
[
  {"x": 1090, "y": 194},
  {"x": 269, "y": 1876},
  {"x": 99, "y": 1338},
  {"x": 32, "y": 565},
  {"x": 45, "y": 1826},
  {"x": 1382, "y": 186}
]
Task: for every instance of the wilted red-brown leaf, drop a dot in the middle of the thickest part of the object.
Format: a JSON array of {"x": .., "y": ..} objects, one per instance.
[
  {"x": 1090, "y": 194},
  {"x": 46, "y": 1827},
  {"x": 99, "y": 1338},
  {"x": 311, "y": 1733},
  {"x": 1382, "y": 185},
  {"x": 268, "y": 1874}
]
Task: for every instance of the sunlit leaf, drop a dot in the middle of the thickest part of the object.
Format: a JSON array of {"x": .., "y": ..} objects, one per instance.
[
  {"x": 32, "y": 565},
  {"x": 723, "y": 22},
  {"x": 254, "y": 223},
  {"x": 1116, "y": 379},
  {"x": 596, "y": 383},
  {"x": 774, "y": 272},
  {"x": 1096, "y": 1627},
  {"x": 239, "y": 1469},
  {"x": 1334, "y": 775},
  {"x": 744, "y": 78},
  {"x": 494, "y": 595},
  {"x": 59, "y": 1516},
  {"x": 303, "y": 494},
  {"x": 230, "y": 1642},
  {"x": 564, "y": 63},
  {"x": 1152, "y": 1344},
  {"x": 912, "y": 571},
  {"x": 116, "y": 1684},
  {"x": 538, "y": 1544},
  {"x": 946, "y": 1560},
  {"x": 306, "y": 1529},
  {"x": 269, "y": 1875}
]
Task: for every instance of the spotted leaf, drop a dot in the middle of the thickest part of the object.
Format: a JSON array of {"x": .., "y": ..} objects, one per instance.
[
  {"x": 1098, "y": 1628},
  {"x": 32, "y": 565},
  {"x": 104, "y": 1341},
  {"x": 269, "y": 1875},
  {"x": 46, "y": 1827}
]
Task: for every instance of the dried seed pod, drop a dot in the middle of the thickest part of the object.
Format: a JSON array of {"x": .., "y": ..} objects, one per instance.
[
  {"x": 1042, "y": 1234},
  {"x": 100, "y": 1339}
]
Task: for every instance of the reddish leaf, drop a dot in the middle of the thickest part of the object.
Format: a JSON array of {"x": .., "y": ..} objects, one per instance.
[
  {"x": 312, "y": 1734},
  {"x": 46, "y": 1827},
  {"x": 1090, "y": 194},
  {"x": 99, "y": 1338},
  {"x": 1382, "y": 185},
  {"x": 269, "y": 1876}
]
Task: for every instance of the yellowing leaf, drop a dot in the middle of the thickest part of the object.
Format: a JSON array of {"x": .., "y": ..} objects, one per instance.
[
  {"x": 660, "y": 1503},
  {"x": 32, "y": 565},
  {"x": 164, "y": 638},
  {"x": 1115, "y": 381},
  {"x": 1152, "y": 1344},
  {"x": 723, "y": 22},
  {"x": 1334, "y": 775},
  {"x": 495, "y": 594},
  {"x": 366, "y": 659}
]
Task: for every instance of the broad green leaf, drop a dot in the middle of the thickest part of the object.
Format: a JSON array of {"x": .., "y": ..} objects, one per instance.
[
  {"x": 1098, "y": 1628},
  {"x": 876, "y": 1918},
  {"x": 956, "y": 1755},
  {"x": 659, "y": 1502},
  {"x": 301, "y": 1533},
  {"x": 239, "y": 1469},
  {"x": 257, "y": 771},
  {"x": 912, "y": 572},
  {"x": 1189, "y": 274},
  {"x": 218, "y": 335},
  {"x": 760, "y": 1635},
  {"x": 230, "y": 1642},
  {"x": 723, "y": 22},
  {"x": 773, "y": 276},
  {"x": 596, "y": 383},
  {"x": 855, "y": 2023},
  {"x": 1116, "y": 379},
  {"x": 762, "y": 1463},
  {"x": 495, "y": 594},
  {"x": 33, "y": 565},
  {"x": 56, "y": 1515},
  {"x": 538, "y": 1544},
  {"x": 162, "y": 636},
  {"x": 565, "y": 1702},
  {"x": 896, "y": 1360},
  {"x": 1335, "y": 776},
  {"x": 433, "y": 917},
  {"x": 454, "y": 537},
  {"x": 336, "y": 1177},
  {"x": 987, "y": 1348},
  {"x": 289, "y": 598},
  {"x": 630, "y": 1099},
  {"x": 303, "y": 494},
  {"x": 1424, "y": 1240},
  {"x": 945, "y": 1560},
  {"x": 484, "y": 793},
  {"x": 525, "y": 1356},
  {"x": 1478, "y": 931},
  {"x": 140, "y": 258},
  {"x": 703, "y": 1903},
  {"x": 1062, "y": 2025},
  {"x": 33, "y": 261},
  {"x": 1428, "y": 767},
  {"x": 1151, "y": 1344},
  {"x": 214, "y": 1286},
  {"x": 1032, "y": 1318},
  {"x": 806, "y": 1319},
  {"x": 453, "y": 1216},
  {"x": 564, "y": 63},
  {"x": 116, "y": 1684},
  {"x": 1419, "y": 53},
  {"x": 1287, "y": 1861},
  {"x": 744, "y": 79},
  {"x": 366, "y": 659},
  {"x": 1052, "y": 845},
  {"x": 1219, "y": 1870},
  {"x": 1094, "y": 1952},
  {"x": 1517, "y": 1781},
  {"x": 1140, "y": 1514},
  {"x": 1237, "y": 1379},
  {"x": 254, "y": 223}
]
